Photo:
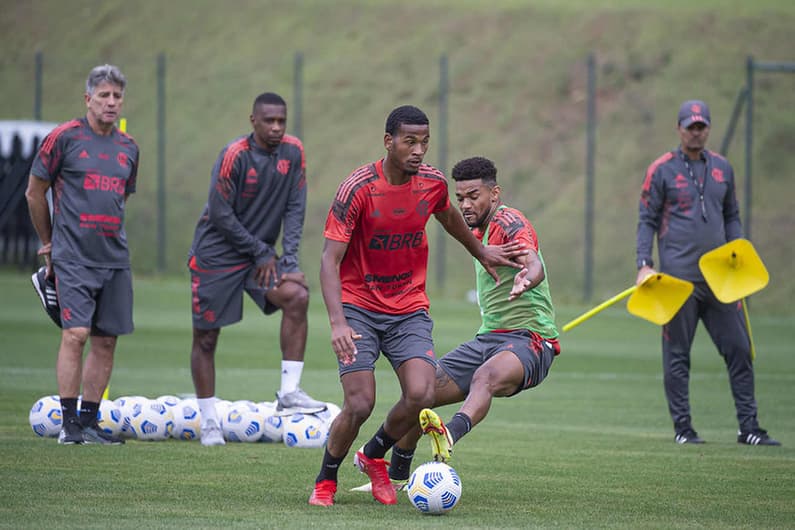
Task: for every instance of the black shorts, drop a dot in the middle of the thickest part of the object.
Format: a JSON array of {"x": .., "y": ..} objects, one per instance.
[
  {"x": 535, "y": 354},
  {"x": 97, "y": 298},
  {"x": 217, "y": 294},
  {"x": 398, "y": 337}
]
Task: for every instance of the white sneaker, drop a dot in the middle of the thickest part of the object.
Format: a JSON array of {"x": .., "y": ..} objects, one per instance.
[
  {"x": 212, "y": 434},
  {"x": 399, "y": 485},
  {"x": 297, "y": 401}
]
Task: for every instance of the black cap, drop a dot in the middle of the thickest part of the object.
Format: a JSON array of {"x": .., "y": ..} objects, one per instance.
[{"x": 693, "y": 111}]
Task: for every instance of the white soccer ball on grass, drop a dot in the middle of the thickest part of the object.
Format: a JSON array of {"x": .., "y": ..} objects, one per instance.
[
  {"x": 45, "y": 416},
  {"x": 130, "y": 407},
  {"x": 187, "y": 420},
  {"x": 273, "y": 428},
  {"x": 434, "y": 488},
  {"x": 168, "y": 400},
  {"x": 109, "y": 417},
  {"x": 154, "y": 422},
  {"x": 328, "y": 415},
  {"x": 243, "y": 423},
  {"x": 305, "y": 430}
]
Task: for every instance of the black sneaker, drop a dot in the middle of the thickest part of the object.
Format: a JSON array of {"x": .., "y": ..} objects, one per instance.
[
  {"x": 93, "y": 434},
  {"x": 688, "y": 436},
  {"x": 71, "y": 433},
  {"x": 45, "y": 288},
  {"x": 756, "y": 437}
]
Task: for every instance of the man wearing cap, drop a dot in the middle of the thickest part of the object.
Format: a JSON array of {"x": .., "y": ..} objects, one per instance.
[{"x": 688, "y": 199}]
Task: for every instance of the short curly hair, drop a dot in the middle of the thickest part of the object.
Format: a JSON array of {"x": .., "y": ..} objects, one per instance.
[
  {"x": 405, "y": 115},
  {"x": 474, "y": 168}
]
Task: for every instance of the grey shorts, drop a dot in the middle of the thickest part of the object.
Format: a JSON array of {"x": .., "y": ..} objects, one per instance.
[
  {"x": 398, "y": 337},
  {"x": 217, "y": 294},
  {"x": 535, "y": 353},
  {"x": 97, "y": 298}
]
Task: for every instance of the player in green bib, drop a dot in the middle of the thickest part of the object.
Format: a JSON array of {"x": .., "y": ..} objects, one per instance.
[{"x": 517, "y": 340}]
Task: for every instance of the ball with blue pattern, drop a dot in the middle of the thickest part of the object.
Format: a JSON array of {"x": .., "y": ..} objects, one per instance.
[{"x": 434, "y": 488}]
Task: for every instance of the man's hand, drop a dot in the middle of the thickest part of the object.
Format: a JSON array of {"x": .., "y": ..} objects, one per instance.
[
  {"x": 342, "y": 337},
  {"x": 521, "y": 284},
  {"x": 297, "y": 277},
  {"x": 266, "y": 273},
  {"x": 502, "y": 255},
  {"x": 46, "y": 251},
  {"x": 643, "y": 273}
]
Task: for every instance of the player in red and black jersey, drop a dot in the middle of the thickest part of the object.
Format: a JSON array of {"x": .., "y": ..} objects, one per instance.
[
  {"x": 514, "y": 348},
  {"x": 91, "y": 167},
  {"x": 258, "y": 189},
  {"x": 372, "y": 274}
]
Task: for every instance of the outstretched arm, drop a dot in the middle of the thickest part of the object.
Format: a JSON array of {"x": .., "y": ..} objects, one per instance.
[
  {"x": 532, "y": 274},
  {"x": 490, "y": 256}
]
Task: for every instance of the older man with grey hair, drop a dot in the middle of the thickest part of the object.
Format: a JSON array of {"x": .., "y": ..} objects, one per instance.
[{"x": 92, "y": 166}]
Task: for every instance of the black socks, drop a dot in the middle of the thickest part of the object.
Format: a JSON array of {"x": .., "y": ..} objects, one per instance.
[
  {"x": 400, "y": 465},
  {"x": 88, "y": 412},
  {"x": 459, "y": 425},
  {"x": 329, "y": 468},
  {"x": 379, "y": 444},
  {"x": 69, "y": 408}
]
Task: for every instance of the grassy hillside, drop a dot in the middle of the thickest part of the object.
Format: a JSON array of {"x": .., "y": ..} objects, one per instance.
[{"x": 517, "y": 79}]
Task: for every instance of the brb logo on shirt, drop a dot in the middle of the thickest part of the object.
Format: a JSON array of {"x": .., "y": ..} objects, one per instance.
[
  {"x": 396, "y": 241},
  {"x": 97, "y": 182}
]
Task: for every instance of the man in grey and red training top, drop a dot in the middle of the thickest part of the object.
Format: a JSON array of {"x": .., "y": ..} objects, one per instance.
[
  {"x": 258, "y": 184},
  {"x": 92, "y": 168},
  {"x": 688, "y": 199}
]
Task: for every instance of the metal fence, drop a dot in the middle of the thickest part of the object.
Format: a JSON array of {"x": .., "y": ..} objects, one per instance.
[{"x": 540, "y": 153}]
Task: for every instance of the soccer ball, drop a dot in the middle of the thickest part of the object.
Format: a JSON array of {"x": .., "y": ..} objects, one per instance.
[
  {"x": 109, "y": 417},
  {"x": 244, "y": 403},
  {"x": 305, "y": 430},
  {"x": 222, "y": 406},
  {"x": 273, "y": 429},
  {"x": 130, "y": 407},
  {"x": 434, "y": 488},
  {"x": 154, "y": 422},
  {"x": 45, "y": 416},
  {"x": 243, "y": 424},
  {"x": 268, "y": 408},
  {"x": 328, "y": 415},
  {"x": 169, "y": 401},
  {"x": 187, "y": 420}
]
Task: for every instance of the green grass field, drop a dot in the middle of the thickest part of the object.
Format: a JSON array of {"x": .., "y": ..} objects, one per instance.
[{"x": 590, "y": 448}]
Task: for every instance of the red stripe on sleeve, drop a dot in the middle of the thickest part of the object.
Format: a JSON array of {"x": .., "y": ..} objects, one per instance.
[
  {"x": 653, "y": 167},
  {"x": 232, "y": 151},
  {"x": 353, "y": 183},
  {"x": 293, "y": 140},
  {"x": 49, "y": 142}
]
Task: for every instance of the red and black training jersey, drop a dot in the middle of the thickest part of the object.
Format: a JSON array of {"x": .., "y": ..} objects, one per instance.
[
  {"x": 385, "y": 266},
  {"x": 692, "y": 207},
  {"x": 90, "y": 176},
  {"x": 254, "y": 193}
]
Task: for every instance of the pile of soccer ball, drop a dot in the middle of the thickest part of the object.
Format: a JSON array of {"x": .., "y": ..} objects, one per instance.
[{"x": 141, "y": 418}]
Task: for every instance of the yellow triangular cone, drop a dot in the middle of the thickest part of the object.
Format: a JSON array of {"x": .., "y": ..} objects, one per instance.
[
  {"x": 734, "y": 271},
  {"x": 659, "y": 298}
]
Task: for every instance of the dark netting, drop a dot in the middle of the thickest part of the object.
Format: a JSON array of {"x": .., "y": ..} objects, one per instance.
[{"x": 19, "y": 142}]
